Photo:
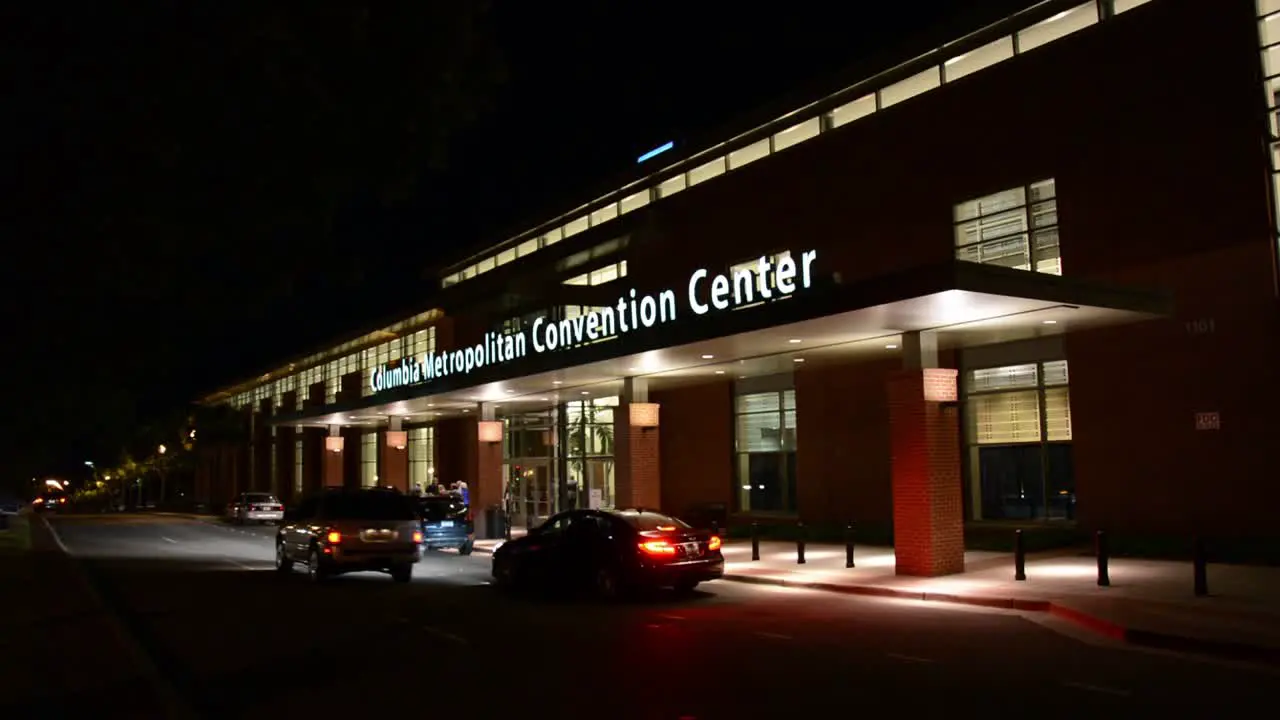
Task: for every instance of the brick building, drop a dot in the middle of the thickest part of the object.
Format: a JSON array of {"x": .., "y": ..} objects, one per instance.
[{"x": 1026, "y": 276}]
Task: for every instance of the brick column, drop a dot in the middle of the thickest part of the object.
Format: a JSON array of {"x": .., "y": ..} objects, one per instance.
[
  {"x": 331, "y": 474},
  {"x": 284, "y": 460},
  {"x": 928, "y": 515},
  {"x": 637, "y": 478},
  {"x": 393, "y": 461},
  {"x": 483, "y": 473}
]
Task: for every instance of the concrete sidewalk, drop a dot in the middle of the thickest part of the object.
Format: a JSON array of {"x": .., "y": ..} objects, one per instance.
[
  {"x": 65, "y": 650},
  {"x": 1149, "y": 602}
]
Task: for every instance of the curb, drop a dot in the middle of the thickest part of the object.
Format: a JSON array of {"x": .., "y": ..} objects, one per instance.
[
  {"x": 1240, "y": 652},
  {"x": 166, "y": 694}
]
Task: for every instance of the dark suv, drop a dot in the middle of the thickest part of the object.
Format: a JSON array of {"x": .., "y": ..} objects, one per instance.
[
  {"x": 446, "y": 523},
  {"x": 341, "y": 531}
]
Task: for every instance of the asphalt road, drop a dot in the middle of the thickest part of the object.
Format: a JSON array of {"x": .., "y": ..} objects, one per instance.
[{"x": 235, "y": 639}]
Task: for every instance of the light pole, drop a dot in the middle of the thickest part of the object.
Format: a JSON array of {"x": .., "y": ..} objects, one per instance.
[{"x": 160, "y": 469}]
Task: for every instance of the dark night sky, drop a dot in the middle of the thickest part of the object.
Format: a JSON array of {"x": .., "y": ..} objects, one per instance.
[{"x": 199, "y": 192}]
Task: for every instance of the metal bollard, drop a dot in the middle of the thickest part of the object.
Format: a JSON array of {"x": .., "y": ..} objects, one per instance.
[
  {"x": 1019, "y": 557},
  {"x": 800, "y": 544},
  {"x": 1104, "y": 556},
  {"x": 848, "y": 545},
  {"x": 1200, "y": 563},
  {"x": 506, "y": 526},
  {"x": 755, "y": 541}
]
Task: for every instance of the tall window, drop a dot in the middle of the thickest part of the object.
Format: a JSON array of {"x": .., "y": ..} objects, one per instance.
[
  {"x": 765, "y": 443},
  {"x": 369, "y": 459},
  {"x": 275, "y": 466},
  {"x": 297, "y": 467},
  {"x": 762, "y": 282},
  {"x": 1019, "y": 437},
  {"x": 421, "y": 456},
  {"x": 1015, "y": 228},
  {"x": 1269, "y": 40},
  {"x": 589, "y": 450}
]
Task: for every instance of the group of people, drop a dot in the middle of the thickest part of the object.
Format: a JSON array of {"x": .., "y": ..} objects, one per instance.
[{"x": 458, "y": 488}]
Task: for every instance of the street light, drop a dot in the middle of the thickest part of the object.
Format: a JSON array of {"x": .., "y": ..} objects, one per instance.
[
  {"x": 162, "y": 449},
  {"x": 88, "y": 463}
]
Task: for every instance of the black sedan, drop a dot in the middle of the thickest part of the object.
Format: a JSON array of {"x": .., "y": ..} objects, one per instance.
[{"x": 611, "y": 552}]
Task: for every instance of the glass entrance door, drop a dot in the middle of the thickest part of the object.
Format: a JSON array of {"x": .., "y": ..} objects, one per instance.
[{"x": 531, "y": 477}]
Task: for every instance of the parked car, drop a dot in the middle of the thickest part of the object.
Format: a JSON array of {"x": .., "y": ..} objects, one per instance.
[
  {"x": 446, "y": 523},
  {"x": 255, "y": 507},
  {"x": 342, "y": 531},
  {"x": 611, "y": 552}
]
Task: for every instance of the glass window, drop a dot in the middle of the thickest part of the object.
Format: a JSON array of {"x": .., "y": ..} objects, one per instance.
[
  {"x": 634, "y": 201},
  {"x": 671, "y": 186},
  {"x": 1058, "y": 26},
  {"x": 506, "y": 256},
  {"x": 608, "y": 273},
  {"x": 650, "y": 521},
  {"x": 528, "y": 247},
  {"x": 297, "y": 467},
  {"x": 553, "y": 236},
  {"x": 369, "y": 459},
  {"x": 851, "y": 111},
  {"x": 375, "y": 505},
  {"x": 604, "y": 214},
  {"x": 707, "y": 171},
  {"x": 768, "y": 281},
  {"x": 765, "y": 445},
  {"x": 421, "y": 457},
  {"x": 575, "y": 226},
  {"x": 797, "y": 133},
  {"x": 750, "y": 153},
  {"x": 1123, "y": 5},
  {"x": 979, "y": 58},
  {"x": 1019, "y": 442},
  {"x": 905, "y": 89},
  {"x": 1016, "y": 228},
  {"x": 583, "y": 279}
]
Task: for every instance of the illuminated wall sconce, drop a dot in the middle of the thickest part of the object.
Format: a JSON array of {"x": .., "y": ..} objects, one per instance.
[
  {"x": 490, "y": 431},
  {"x": 940, "y": 385},
  {"x": 644, "y": 415},
  {"x": 398, "y": 439},
  {"x": 333, "y": 443}
]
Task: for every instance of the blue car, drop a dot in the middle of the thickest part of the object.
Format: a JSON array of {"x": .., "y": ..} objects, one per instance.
[{"x": 446, "y": 523}]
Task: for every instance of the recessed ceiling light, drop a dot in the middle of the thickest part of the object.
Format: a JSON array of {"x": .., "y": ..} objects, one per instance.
[
  {"x": 439, "y": 414},
  {"x": 742, "y": 377},
  {"x": 719, "y": 372},
  {"x": 557, "y": 382},
  {"x": 466, "y": 409},
  {"x": 891, "y": 346},
  {"x": 794, "y": 340},
  {"x": 798, "y": 360},
  {"x": 584, "y": 392},
  {"x": 351, "y": 417},
  {"x": 631, "y": 369},
  {"x": 510, "y": 392},
  {"x": 1050, "y": 322},
  {"x": 707, "y": 357}
]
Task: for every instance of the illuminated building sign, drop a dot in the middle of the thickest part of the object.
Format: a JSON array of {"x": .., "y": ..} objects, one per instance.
[{"x": 705, "y": 293}]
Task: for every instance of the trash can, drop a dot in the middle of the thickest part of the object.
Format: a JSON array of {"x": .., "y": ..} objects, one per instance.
[{"x": 493, "y": 522}]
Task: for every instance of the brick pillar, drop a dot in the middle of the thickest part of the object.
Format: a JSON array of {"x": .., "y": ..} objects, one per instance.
[
  {"x": 393, "y": 457},
  {"x": 312, "y": 459},
  {"x": 636, "y": 479},
  {"x": 483, "y": 472},
  {"x": 331, "y": 475},
  {"x": 928, "y": 515}
]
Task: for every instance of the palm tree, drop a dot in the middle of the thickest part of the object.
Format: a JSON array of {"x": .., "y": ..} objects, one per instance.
[{"x": 584, "y": 431}]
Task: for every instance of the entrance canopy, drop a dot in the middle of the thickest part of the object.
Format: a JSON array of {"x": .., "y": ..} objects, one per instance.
[{"x": 965, "y": 304}]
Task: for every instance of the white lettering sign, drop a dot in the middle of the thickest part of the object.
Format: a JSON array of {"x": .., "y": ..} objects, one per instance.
[{"x": 704, "y": 293}]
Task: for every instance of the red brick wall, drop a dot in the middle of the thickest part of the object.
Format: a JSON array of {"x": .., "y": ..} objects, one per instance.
[
  {"x": 928, "y": 510},
  {"x": 842, "y": 439},
  {"x": 696, "y": 433},
  {"x": 393, "y": 464},
  {"x": 450, "y": 450},
  {"x": 284, "y": 459},
  {"x": 637, "y": 469}
]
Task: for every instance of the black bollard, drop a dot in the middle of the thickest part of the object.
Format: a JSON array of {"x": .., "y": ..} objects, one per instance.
[
  {"x": 800, "y": 544},
  {"x": 1019, "y": 557},
  {"x": 1200, "y": 562},
  {"x": 848, "y": 545},
  {"x": 1104, "y": 556},
  {"x": 506, "y": 526},
  {"x": 755, "y": 541}
]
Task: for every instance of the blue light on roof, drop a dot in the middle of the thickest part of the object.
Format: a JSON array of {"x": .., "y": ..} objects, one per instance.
[{"x": 656, "y": 151}]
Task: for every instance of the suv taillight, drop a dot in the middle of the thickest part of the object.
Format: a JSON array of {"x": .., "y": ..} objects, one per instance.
[
  {"x": 657, "y": 548},
  {"x": 334, "y": 537}
]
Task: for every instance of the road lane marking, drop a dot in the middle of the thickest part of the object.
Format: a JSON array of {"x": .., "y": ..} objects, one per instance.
[
  {"x": 1096, "y": 688},
  {"x": 240, "y": 565},
  {"x": 774, "y": 636},
  {"x": 446, "y": 635},
  {"x": 56, "y": 537},
  {"x": 168, "y": 539},
  {"x": 909, "y": 658}
]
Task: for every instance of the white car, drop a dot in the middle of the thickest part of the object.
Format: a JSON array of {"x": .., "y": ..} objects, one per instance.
[{"x": 255, "y": 507}]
